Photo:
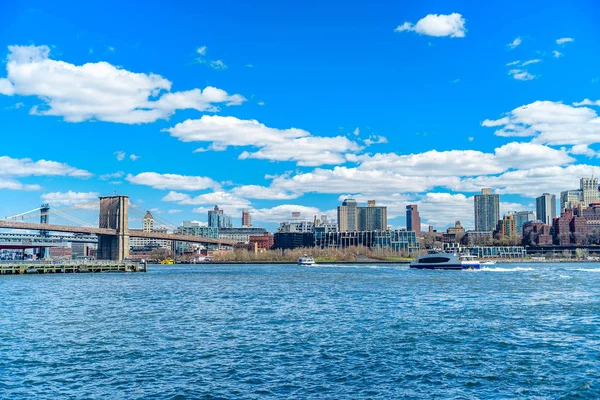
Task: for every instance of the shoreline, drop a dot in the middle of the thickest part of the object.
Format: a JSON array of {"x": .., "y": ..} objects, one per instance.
[{"x": 367, "y": 262}]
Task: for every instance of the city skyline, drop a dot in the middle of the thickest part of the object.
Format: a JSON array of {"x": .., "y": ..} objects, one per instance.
[{"x": 182, "y": 119}]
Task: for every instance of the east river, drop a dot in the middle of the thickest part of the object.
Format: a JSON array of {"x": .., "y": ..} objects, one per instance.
[{"x": 284, "y": 331}]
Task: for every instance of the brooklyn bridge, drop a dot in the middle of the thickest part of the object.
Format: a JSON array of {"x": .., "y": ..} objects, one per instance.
[{"x": 112, "y": 233}]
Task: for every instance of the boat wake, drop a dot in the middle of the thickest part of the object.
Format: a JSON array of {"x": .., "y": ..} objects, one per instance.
[{"x": 504, "y": 269}]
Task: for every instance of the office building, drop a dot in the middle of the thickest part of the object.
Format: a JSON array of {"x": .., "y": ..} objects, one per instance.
[
  {"x": 521, "y": 217},
  {"x": 506, "y": 226},
  {"x": 589, "y": 190},
  {"x": 487, "y": 210},
  {"x": 372, "y": 217},
  {"x": 240, "y": 235},
  {"x": 413, "y": 221},
  {"x": 194, "y": 228},
  {"x": 347, "y": 215},
  {"x": 296, "y": 227},
  {"x": 218, "y": 219},
  {"x": 246, "y": 219},
  {"x": 545, "y": 207},
  {"x": 148, "y": 225}
]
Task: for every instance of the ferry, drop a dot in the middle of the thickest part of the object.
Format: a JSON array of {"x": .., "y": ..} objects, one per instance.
[
  {"x": 306, "y": 260},
  {"x": 445, "y": 261},
  {"x": 168, "y": 261}
]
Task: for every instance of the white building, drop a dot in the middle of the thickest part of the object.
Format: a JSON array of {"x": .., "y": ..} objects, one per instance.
[{"x": 148, "y": 226}]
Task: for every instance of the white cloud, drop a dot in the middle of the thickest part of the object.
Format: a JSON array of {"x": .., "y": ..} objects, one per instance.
[
  {"x": 11, "y": 184},
  {"x": 521, "y": 75},
  {"x": 564, "y": 40},
  {"x": 510, "y": 64},
  {"x": 557, "y": 54},
  {"x": 6, "y": 87},
  {"x": 582, "y": 149},
  {"x": 201, "y": 50},
  {"x": 587, "y": 102},
  {"x": 552, "y": 123},
  {"x": 470, "y": 138},
  {"x": 218, "y": 64},
  {"x": 262, "y": 192},
  {"x": 99, "y": 91},
  {"x": 261, "y": 103},
  {"x": 114, "y": 175},
  {"x": 515, "y": 43},
  {"x": 134, "y": 157},
  {"x": 172, "y": 181},
  {"x": 27, "y": 167},
  {"x": 119, "y": 155},
  {"x": 228, "y": 202},
  {"x": 356, "y": 132},
  {"x": 535, "y": 61},
  {"x": 174, "y": 211},
  {"x": 69, "y": 198},
  {"x": 375, "y": 139},
  {"x": 284, "y": 212},
  {"x": 452, "y": 25},
  {"x": 272, "y": 144}
]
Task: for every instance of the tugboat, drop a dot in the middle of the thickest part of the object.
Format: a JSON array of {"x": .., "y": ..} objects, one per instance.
[
  {"x": 306, "y": 260},
  {"x": 446, "y": 261}
]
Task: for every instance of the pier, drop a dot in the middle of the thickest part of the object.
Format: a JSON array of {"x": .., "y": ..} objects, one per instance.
[{"x": 71, "y": 267}]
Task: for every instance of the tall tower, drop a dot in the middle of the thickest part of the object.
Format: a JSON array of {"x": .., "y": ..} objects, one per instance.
[
  {"x": 347, "y": 215},
  {"x": 487, "y": 210},
  {"x": 114, "y": 214},
  {"x": 246, "y": 218},
  {"x": 148, "y": 222},
  {"x": 545, "y": 208},
  {"x": 589, "y": 190},
  {"x": 413, "y": 220}
]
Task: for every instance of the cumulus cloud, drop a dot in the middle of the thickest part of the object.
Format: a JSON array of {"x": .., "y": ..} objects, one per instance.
[
  {"x": 272, "y": 144},
  {"x": 22, "y": 167},
  {"x": 515, "y": 43},
  {"x": 552, "y": 123},
  {"x": 11, "y": 184},
  {"x": 225, "y": 200},
  {"x": 100, "y": 91},
  {"x": 521, "y": 75},
  {"x": 284, "y": 212},
  {"x": 452, "y": 25},
  {"x": 119, "y": 155},
  {"x": 557, "y": 54},
  {"x": 114, "y": 175},
  {"x": 564, "y": 40},
  {"x": 69, "y": 198},
  {"x": 172, "y": 181}
]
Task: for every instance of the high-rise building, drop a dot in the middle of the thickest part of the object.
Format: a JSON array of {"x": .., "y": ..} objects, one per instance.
[
  {"x": 148, "y": 222},
  {"x": 487, "y": 210},
  {"x": 545, "y": 208},
  {"x": 506, "y": 226},
  {"x": 589, "y": 190},
  {"x": 194, "y": 228},
  {"x": 246, "y": 219},
  {"x": 347, "y": 215},
  {"x": 570, "y": 199},
  {"x": 522, "y": 217},
  {"x": 413, "y": 221},
  {"x": 372, "y": 217},
  {"x": 218, "y": 219}
]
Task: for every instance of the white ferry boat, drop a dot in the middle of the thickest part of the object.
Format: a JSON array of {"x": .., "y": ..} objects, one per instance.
[
  {"x": 306, "y": 260},
  {"x": 446, "y": 261}
]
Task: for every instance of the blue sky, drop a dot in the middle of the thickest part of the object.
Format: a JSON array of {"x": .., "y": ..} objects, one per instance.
[{"x": 290, "y": 106}]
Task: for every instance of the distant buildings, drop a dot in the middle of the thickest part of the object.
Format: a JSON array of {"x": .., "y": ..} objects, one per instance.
[
  {"x": 353, "y": 218},
  {"x": 347, "y": 215},
  {"x": 522, "y": 217},
  {"x": 536, "y": 233},
  {"x": 148, "y": 225},
  {"x": 487, "y": 210},
  {"x": 569, "y": 229},
  {"x": 240, "y": 235},
  {"x": 218, "y": 219},
  {"x": 263, "y": 242},
  {"x": 413, "y": 221},
  {"x": 506, "y": 227},
  {"x": 545, "y": 208},
  {"x": 296, "y": 227},
  {"x": 246, "y": 219},
  {"x": 189, "y": 228},
  {"x": 584, "y": 196},
  {"x": 397, "y": 240}
]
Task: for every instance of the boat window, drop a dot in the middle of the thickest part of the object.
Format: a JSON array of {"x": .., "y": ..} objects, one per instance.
[{"x": 434, "y": 260}]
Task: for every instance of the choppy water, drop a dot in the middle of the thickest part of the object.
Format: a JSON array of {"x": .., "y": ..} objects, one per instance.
[{"x": 348, "y": 332}]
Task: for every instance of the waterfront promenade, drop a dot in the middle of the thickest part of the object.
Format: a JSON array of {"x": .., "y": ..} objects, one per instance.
[{"x": 71, "y": 267}]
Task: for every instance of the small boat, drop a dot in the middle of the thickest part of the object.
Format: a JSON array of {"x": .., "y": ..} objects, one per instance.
[
  {"x": 445, "y": 261},
  {"x": 306, "y": 260}
]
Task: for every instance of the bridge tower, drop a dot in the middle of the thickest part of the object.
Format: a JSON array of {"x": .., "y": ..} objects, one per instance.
[
  {"x": 44, "y": 219},
  {"x": 114, "y": 214}
]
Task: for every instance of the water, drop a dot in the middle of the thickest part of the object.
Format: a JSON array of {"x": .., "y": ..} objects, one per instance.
[{"x": 344, "y": 332}]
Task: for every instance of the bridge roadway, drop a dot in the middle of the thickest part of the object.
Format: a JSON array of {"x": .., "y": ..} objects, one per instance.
[{"x": 111, "y": 232}]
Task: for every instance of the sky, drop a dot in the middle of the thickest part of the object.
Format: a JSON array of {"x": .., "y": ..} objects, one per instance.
[{"x": 294, "y": 106}]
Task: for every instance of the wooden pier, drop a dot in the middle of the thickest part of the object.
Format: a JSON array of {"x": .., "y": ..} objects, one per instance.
[{"x": 71, "y": 267}]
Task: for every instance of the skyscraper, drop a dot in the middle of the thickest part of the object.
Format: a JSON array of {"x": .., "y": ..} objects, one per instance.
[
  {"x": 372, "y": 217},
  {"x": 246, "y": 218},
  {"x": 545, "y": 208},
  {"x": 148, "y": 222},
  {"x": 347, "y": 215},
  {"x": 218, "y": 219},
  {"x": 589, "y": 190},
  {"x": 413, "y": 221},
  {"x": 487, "y": 210}
]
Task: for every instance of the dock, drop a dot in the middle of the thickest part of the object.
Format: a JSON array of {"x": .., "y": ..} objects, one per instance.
[{"x": 69, "y": 267}]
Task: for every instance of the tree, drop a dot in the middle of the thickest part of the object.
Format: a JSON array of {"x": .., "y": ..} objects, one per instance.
[{"x": 161, "y": 254}]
